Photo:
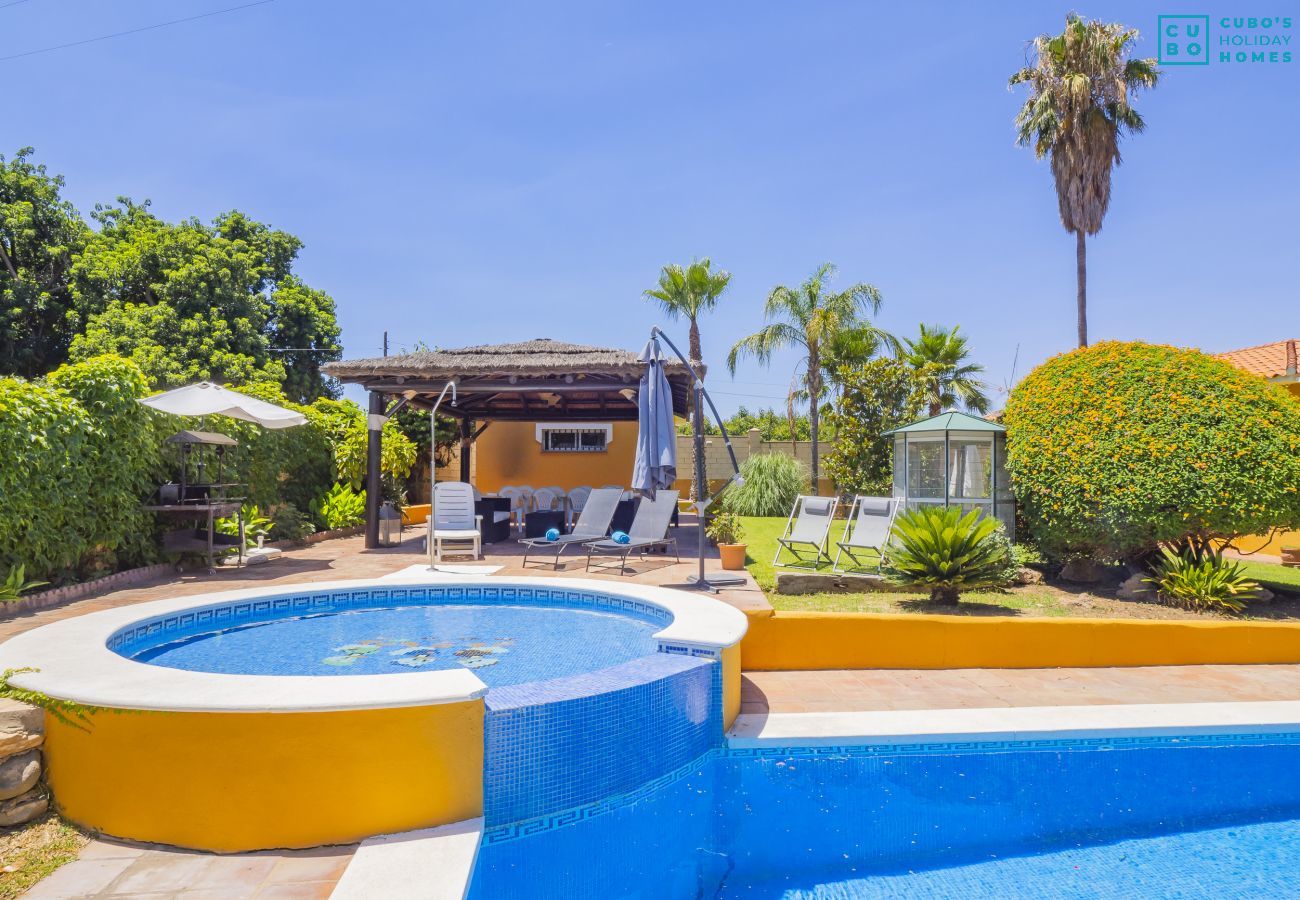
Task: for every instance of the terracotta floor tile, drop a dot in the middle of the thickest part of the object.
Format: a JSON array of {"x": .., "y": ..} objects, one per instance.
[{"x": 157, "y": 871}]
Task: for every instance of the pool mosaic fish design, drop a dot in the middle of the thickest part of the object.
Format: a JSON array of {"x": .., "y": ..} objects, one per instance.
[{"x": 468, "y": 652}]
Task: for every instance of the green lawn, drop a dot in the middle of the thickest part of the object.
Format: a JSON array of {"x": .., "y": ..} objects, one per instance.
[
  {"x": 761, "y": 535},
  {"x": 1274, "y": 577}
]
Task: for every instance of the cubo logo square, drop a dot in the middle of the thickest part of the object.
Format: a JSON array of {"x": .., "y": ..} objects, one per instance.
[{"x": 1184, "y": 40}]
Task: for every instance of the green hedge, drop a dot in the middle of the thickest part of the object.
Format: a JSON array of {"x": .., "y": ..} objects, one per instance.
[
  {"x": 76, "y": 453},
  {"x": 79, "y": 457},
  {"x": 1119, "y": 447}
]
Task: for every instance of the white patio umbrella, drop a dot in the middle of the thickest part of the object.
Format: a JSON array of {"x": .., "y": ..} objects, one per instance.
[{"x": 208, "y": 399}]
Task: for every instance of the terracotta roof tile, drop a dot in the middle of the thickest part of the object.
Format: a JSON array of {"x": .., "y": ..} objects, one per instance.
[{"x": 1268, "y": 360}]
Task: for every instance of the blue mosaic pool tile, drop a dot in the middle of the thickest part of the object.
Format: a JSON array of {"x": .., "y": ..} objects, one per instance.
[{"x": 557, "y": 745}]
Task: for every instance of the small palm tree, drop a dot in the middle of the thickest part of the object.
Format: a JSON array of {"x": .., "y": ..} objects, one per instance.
[
  {"x": 1080, "y": 84},
  {"x": 938, "y": 359},
  {"x": 688, "y": 292},
  {"x": 809, "y": 318}
]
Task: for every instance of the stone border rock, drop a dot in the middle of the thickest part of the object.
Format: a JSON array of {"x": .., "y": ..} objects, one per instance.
[
  {"x": 22, "y": 732},
  {"x": 68, "y": 593}
]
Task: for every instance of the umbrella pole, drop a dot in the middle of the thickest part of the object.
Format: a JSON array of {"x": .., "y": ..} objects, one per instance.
[{"x": 704, "y": 582}]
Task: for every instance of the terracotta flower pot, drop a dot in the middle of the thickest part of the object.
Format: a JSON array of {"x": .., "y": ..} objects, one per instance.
[{"x": 733, "y": 556}]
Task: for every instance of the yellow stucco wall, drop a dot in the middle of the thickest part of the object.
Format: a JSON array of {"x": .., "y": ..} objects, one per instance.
[
  {"x": 508, "y": 453},
  {"x": 246, "y": 781},
  {"x": 730, "y": 684},
  {"x": 795, "y": 640}
]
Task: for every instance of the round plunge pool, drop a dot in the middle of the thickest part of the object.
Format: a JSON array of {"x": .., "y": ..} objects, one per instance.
[{"x": 502, "y": 644}]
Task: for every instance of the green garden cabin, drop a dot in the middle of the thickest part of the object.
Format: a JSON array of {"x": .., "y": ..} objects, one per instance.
[{"x": 954, "y": 459}]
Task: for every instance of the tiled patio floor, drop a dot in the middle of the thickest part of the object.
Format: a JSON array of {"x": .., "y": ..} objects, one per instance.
[
  {"x": 120, "y": 870},
  {"x": 897, "y": 689}
]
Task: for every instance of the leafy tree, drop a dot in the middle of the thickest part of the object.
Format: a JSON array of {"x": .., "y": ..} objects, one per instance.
[
  {"x": 189, "y": 301},
  {"x": 40, "y": 233},
  {"x": 938, "y": 359},
  {"x": 1080, "y": 85},
  {"x": 809, "y": 318},
  {"x": 876, "y": 396},
  {"x": 1118, "y": 448}
]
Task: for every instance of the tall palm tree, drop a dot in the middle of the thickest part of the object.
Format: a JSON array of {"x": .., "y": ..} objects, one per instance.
[
  {"x": 1080, "y": 84},
  {"x": 809, "y": 318},
  {"x": 938, "y": 359},
  {"x": 688, "y": 292}
]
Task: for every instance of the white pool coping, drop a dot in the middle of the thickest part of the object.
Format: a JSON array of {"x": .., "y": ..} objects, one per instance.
[
  {"x": 431, "y": 864},
  {"x": 820, "y": 729},
  {"x": 75, "y": 664}
]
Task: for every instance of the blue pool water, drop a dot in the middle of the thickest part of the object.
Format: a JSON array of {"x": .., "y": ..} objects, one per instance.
[
  {"x": 1154, "y": 817},
  {"x": 502, "y": 644}
]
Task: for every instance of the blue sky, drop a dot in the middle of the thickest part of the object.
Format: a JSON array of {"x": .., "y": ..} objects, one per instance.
[{"x": 478, "y": 172}]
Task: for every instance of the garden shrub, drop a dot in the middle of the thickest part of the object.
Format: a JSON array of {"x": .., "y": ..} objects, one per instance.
[
  {"x": 1118, "y": 448},
  {"x": 45, "y": 485},
  {"x": 940, "y": 549},
  {"x": 291, "y": 524},
  {"x": 1202, "y": 581},
  {"x": 772, "y": 482},
  {"x": 343, "y": 507},
  {"x": 123, "y": 458}
]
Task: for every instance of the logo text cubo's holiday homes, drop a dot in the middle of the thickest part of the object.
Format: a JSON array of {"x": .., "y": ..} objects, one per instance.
[{"x": 1196, "y": 40}]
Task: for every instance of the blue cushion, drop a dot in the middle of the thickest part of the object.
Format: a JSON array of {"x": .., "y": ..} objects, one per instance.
[
  {"x": 620, "y": 537},
  {"x": 552, "y": 534}
]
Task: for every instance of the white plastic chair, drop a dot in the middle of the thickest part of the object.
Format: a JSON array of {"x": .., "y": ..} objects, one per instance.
[
  {"x": 454, "y": 519},
  {"x": 577, "y": 500},
  {"x": 547, "y": 499}
]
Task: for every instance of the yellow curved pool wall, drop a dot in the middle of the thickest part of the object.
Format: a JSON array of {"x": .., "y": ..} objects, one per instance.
[
  {"x": 730, "y": 684},
  {"x": 244, "y": 781},
  {"x": 809, "y": 640}
]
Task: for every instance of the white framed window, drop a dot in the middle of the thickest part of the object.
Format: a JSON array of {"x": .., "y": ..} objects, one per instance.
[{"x": 565, "y": 437}]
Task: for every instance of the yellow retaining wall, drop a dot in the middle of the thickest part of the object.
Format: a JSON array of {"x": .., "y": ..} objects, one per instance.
[
  {"x": 795, "y": 640},
  {"x": 247, "y": 781}
]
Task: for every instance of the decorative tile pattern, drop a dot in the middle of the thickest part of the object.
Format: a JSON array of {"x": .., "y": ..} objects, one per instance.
[{"x": 554, "y": 746}]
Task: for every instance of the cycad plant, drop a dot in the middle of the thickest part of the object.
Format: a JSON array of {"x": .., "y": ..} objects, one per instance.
[
  {"x": 1081, "y": 82},
  {"x": 938, "y": 548},
  {"x": 1202, "y": 581}
]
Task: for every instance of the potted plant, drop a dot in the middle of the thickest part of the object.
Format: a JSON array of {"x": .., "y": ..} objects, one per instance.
[{"x": 726, "y": 531}]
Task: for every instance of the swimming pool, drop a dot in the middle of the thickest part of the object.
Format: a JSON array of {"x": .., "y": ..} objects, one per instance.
[
  {"x": 1208, "y": 815},
  {"x": 324, "y": 713},
  {"x": 502, "y": 644}
]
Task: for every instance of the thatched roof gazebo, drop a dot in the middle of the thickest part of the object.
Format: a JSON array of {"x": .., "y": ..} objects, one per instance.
[{"x": 535, "y": 380}]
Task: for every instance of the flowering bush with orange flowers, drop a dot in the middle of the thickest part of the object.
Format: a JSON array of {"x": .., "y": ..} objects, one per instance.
[{"x": 1118, "y": 448}]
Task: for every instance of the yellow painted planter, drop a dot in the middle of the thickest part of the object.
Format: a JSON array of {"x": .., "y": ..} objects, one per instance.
[{"x": 244, "y": 781}]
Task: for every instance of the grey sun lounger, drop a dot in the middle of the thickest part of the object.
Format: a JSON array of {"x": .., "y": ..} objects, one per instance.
[
  {"x": 867, "y": 532},
  {"x": 592, "y": 525},
  {"x": 806, "y": 532},
  {"x": 649, "y": 529}
]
